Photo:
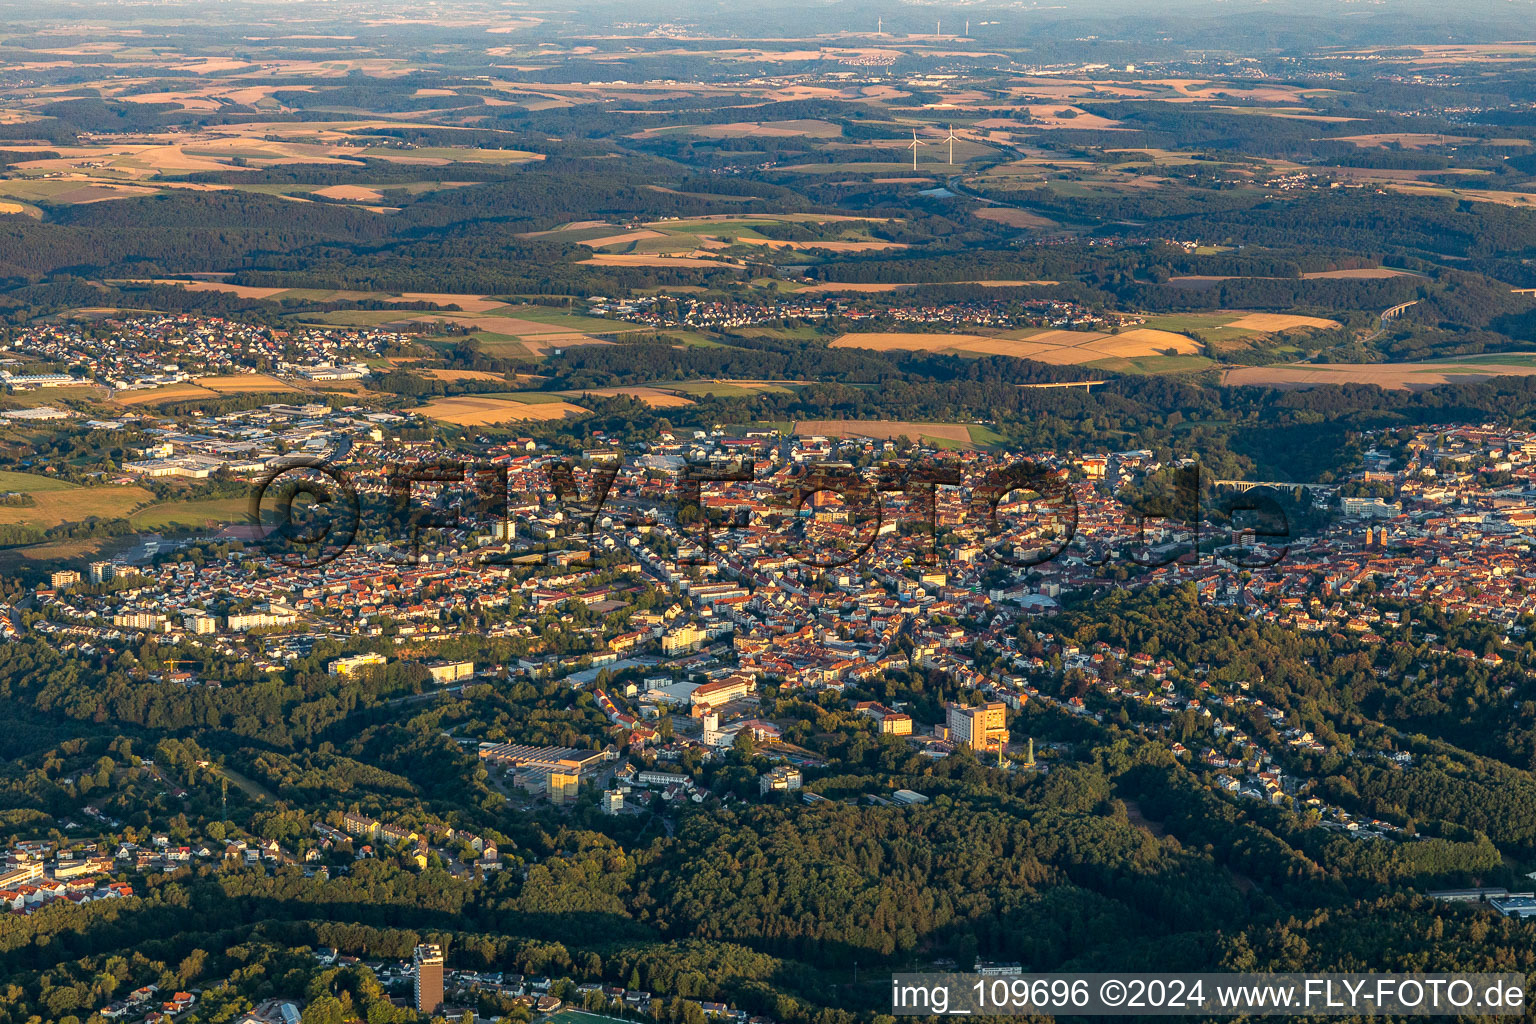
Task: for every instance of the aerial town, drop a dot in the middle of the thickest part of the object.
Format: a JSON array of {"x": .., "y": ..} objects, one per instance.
[{"x": 651, "y": 514}]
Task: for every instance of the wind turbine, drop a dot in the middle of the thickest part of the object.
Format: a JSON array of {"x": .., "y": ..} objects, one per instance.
[
  {"x": 913, "y": 147},
  {"x": 951, "y": 141}
]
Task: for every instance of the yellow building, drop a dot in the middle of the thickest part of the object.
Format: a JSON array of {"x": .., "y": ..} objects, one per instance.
[
  {"x": 347, "y": 666},
  {"x": 685, "y": 638},
  {"x": 563, "y": 786},
  {"x": 983, "y": 727},
  {"x": 450, "y": 671},
  {"x": 720, "y": 691}
]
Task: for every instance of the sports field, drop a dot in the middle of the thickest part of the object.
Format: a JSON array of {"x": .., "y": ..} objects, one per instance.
[{"x": 209, "y": 512}]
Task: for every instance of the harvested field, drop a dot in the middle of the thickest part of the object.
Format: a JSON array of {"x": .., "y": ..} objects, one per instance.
[
  {"x": 1047, "y": 346},
  {"x": 169, "y": 393},
  {"x": 244, "y": 382},
  {"x": 358, "y": 193},
  {"x": 457, "y": 375},
  {"x": 242, "y": 290},
  {"x": 468, "y": 303},
  {"x": 884, "y": 430},
  {"x": 885, "y": 341},
  {"x": 1279, "y": 322},
  {"x": 1360, "y": 273},
  {"x": 1144, "y": 341},
  {"x": 1392, "y": 376},
  {"x": 479, "y": 410}
]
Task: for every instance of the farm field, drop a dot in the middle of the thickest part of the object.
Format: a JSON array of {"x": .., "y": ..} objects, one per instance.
[
  {"x": 1189, "y": 322},
  {"x": 875, "y": 287},
  {"x": 1476, "y": 195},
  {"x": 813, "y": 129},
  {"x": 1016, "y": 218},
  {"x": 357, "y": 193},
  {"x": 442, "y": 155},
  {"x": 166, "y": 393},
  {"x": 1392, "y": 376},
  {"x": 1279, "y": 322},
  {"x": 828, "y": 245},
  {"x": 884, "y": 430},
  {"x": 885, "y": 341},
  {"x": 699, "y": 238},
  {"x": 213, "y": 387},
  {"x": 453, "y": 376},
  {"x": 1360, "y": 273},
  {"x": 242, "y": 383},
  {"x": 486, "y": 410},
  {"x": 52, "y": 554},
  {"x": 580, "y": 226},
  {"x": 59, "y": 501},
  {"x": 52, "y": 396},
  {"x": 466, "y": 303},
  {"x": 235, "y": 147},
  {"x": 502, "y": 328},
  {"x": 731, "y": 388},
  {"x": 656, "y": 398},
  {"x": 1049, "y": 346},
  {"x": 1403, "y": 140},
  {"x": 628, "y": 259}
]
